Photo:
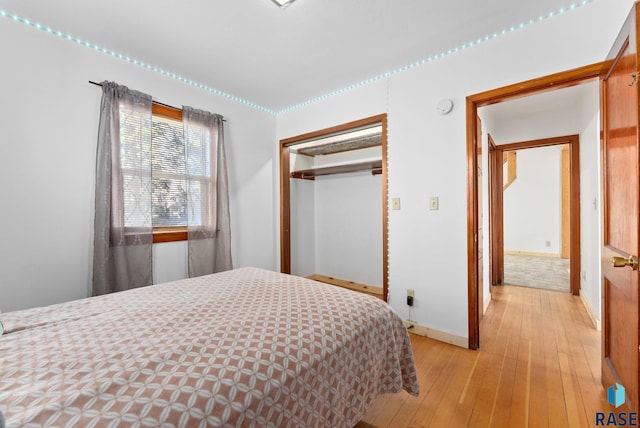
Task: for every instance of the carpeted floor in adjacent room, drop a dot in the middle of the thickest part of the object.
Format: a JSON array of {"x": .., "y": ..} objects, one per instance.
[{"x": 550, "y": 273}]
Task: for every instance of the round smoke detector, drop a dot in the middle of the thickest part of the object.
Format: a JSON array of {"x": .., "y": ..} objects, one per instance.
[{"x": 444, "y": 106}]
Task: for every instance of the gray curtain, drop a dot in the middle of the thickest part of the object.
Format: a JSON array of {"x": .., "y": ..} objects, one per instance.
[
  {"x": 123, "y": 230},
  {"x": 208, "y": 221}
]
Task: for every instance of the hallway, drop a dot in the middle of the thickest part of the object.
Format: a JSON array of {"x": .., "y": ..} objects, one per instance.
[{"x": 538, "y": 366}]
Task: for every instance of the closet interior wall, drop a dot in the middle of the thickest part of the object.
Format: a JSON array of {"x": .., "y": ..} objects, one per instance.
[{"x": 337, "y": 209}]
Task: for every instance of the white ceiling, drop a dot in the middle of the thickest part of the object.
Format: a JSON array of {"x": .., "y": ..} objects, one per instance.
[{"x": 280, "y": 57}]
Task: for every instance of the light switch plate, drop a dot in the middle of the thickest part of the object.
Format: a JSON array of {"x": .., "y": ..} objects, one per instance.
[
  {"x": 395, "y": 203},
  {"x": 434, "y": 203}
]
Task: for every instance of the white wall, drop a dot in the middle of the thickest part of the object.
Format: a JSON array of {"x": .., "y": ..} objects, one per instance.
[
  {"x": 336, "y": 227},
  {"x": 427, "y": 152},
  {"x": 348, "y": 227},
  {"x": 303, "y": 234},
  {"x": 49, "y": 115},
  {"x": 538, "y": 125},
  {"x": 533, "y": 203},
  {"x": 336, "y": 220},
  {"x": 590, "y": 212}
]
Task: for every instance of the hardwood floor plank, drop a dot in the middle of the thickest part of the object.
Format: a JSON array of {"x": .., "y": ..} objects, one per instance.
[
  {"x": 520, "y": 397},
  {"x": 501, "y": 412},
  {"x": 538, "y": 366},
  {"x": 552, "y": 332},
  {"x": 487, "y": 378},
  {"x": 451, "y": 409},
  {"x": 424, "y": 413},
  {"x": 576, "y": 417},
  {"x": 537, "y": 399}
]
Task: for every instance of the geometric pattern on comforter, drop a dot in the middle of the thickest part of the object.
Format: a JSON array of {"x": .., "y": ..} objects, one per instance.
[{"x": 247, "y": 347}]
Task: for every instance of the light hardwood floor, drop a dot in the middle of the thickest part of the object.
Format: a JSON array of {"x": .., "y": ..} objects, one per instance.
[{"x": 538, "y": 366}]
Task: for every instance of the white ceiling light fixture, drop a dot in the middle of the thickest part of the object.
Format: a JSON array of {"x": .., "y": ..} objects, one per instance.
[{"x": 283, "y": 3}]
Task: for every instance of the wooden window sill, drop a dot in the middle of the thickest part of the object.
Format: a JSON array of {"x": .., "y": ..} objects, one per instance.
[{"x": 169, "y": 234}]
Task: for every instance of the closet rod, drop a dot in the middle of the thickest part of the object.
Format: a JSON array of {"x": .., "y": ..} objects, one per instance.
[{"x": 155, "y": 102}]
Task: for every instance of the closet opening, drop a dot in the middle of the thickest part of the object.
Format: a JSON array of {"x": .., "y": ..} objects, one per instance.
[{"x": 333, "y": 205}]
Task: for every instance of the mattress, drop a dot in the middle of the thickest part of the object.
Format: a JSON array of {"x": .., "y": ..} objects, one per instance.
[{"x": 247, "y": 347}]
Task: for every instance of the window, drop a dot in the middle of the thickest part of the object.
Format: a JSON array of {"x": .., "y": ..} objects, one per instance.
[{"x": 168, "y": 179}]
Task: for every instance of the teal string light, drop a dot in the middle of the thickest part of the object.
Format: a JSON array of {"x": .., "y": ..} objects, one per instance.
[
  {"x": 327, "y": 95},
  {"x": 436, "y": 56},
  {"x": 134, "y": 61}
]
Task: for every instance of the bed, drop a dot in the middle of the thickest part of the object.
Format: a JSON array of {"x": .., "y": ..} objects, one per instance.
[{"x": 247, "y": 347}]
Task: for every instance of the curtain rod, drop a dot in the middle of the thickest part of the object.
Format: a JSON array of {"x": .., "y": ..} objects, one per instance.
[{"x": 155, "y": 102}]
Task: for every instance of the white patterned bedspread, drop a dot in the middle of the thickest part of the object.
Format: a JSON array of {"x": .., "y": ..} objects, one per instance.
[{"x": 247, "y": 347}]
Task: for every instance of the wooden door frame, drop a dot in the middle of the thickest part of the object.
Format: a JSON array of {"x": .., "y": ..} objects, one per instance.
[
  {"x": 480, "y": 213},
  {"x": 573, "y": 142},
  {"x": 496, "y": 214},
  {"x": 547, "y": 83},
  {"x": 285, "y": 190}
]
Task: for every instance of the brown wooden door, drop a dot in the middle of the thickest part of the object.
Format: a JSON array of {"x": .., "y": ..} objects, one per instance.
[{"x": 621, "y": 217}]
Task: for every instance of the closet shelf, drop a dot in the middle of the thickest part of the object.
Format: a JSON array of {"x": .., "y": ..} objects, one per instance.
[{"x": 375, "y": 166}]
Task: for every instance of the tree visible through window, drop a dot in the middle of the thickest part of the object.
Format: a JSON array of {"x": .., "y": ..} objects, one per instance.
[
  {"x": 168, "y": 182},
  {"x": 169, "y": 187}
]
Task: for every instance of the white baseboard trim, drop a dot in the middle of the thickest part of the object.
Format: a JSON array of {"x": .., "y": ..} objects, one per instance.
[
  {"x": 596, "y": 322},
  {"x": 415, "y": 328},
  {"x": 486, "y": 304}
]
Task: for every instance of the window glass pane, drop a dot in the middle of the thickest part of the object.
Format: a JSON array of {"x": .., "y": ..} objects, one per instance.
[
  {"x": 169, "y": 187},
  {"x": 169, "y": 202},
  {"x": 168, "y": 146},
  {"x": 161, "y": 197}
]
